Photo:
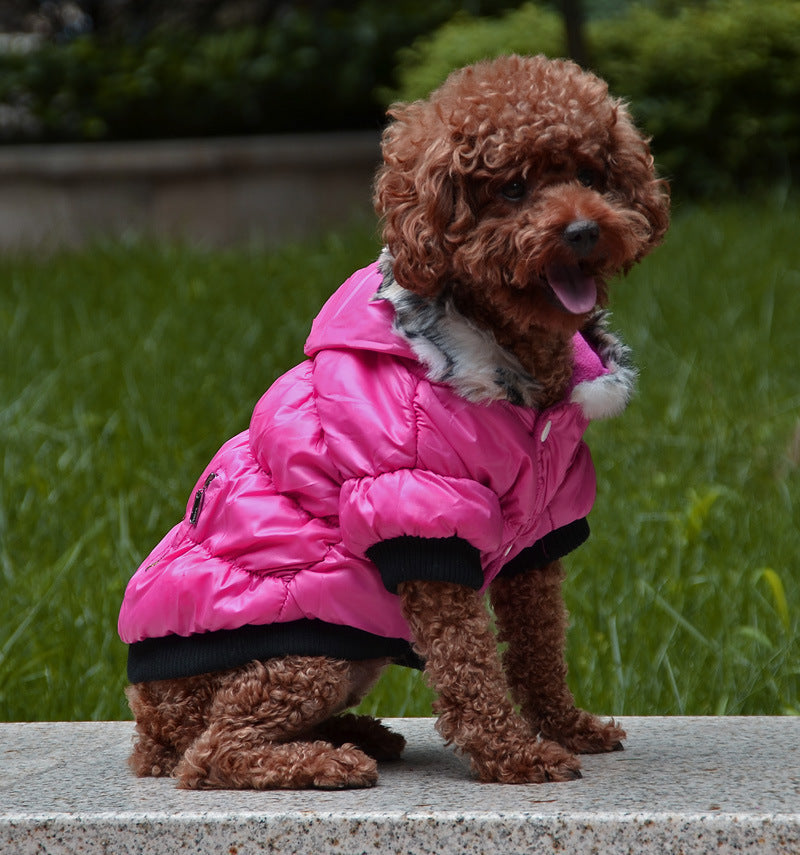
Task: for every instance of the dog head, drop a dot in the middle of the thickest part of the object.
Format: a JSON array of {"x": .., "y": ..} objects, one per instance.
[{"x": 521, "y": 185}]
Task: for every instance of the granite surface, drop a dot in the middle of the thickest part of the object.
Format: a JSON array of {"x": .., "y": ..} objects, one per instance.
[{"x": 683, "y": 785}]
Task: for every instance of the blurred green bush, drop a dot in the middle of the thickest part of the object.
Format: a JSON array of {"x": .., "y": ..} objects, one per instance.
[
  {"x": 715, "y": 82},
  {"x": 717, "y": 85},
  {"x": 310, "y": 67},
  {"x": 182, "y": 84}
]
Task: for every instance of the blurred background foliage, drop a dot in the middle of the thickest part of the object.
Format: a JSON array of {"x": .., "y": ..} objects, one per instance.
[
  {"x": 716, "y": 82},
  {"x": 114, "y": 69}
]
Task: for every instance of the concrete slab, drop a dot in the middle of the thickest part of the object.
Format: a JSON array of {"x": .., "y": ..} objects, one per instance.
[
  {"x": 683, "y": 785},
  {"x": 211, "y": 192}
]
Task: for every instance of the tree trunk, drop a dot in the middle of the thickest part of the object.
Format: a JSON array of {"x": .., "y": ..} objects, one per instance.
[{"x": 574, "y": 21}]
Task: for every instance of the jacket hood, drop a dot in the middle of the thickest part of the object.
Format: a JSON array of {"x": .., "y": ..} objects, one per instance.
[
  {"x": 352, "y": 319},
  {"x": 372, "y": 312}
]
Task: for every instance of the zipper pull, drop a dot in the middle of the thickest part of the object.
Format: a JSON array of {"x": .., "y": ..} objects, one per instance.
[{"x": 194, "y": 516}]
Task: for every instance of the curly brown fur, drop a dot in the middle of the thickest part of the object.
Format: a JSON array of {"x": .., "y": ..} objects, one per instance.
[
  {"x": 514, "y": 175},
  {"x": 260, "y": 726},
  {"x": 534, "y": 661},
  {"x": 518, "y": 190},
  {"x": 452, "y": 631},
  {"x": 480, "y": 182}
]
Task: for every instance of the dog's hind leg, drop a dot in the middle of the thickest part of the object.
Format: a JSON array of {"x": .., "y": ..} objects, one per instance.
[
  {"x": 531, "y": 617},
  {"x": 170, "y": 714},
  {"x": 364, "y": 731},
  {"x": 261, "y": 730},
  {"x": 239, "y": 759},
  {"x": 452, "y": 633}
]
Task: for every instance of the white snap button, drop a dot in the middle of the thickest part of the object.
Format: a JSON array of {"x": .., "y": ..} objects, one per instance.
[{"x": 546, "y": 431}]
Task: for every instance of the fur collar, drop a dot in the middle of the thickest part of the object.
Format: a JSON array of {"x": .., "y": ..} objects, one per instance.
[{"x": 469, "y": 359}]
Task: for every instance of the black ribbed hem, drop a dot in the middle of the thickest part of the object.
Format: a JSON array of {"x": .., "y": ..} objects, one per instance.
[
  {"x": 175, "y": 656},
  {"x": 429, "y": 559},
  {"x": 550, "y": 548}
]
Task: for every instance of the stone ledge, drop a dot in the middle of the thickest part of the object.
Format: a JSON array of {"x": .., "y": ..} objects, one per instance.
[
  {"x": 687, "y": 785},
  {"x": 74, "y": 161},
  {"x": 215, "y": 192}
]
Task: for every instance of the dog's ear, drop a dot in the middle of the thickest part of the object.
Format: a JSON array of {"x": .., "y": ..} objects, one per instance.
[
  {"x": 633, "y": 174},
  {"x": 417, "y": 196}
]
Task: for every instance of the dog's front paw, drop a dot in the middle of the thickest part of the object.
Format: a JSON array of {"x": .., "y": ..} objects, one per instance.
[
  {"x": 530, "y": 763},
  {"x": 584, "y": 733}
]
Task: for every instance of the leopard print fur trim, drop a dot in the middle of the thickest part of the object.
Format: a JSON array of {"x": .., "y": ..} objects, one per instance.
[{"x": 469, "y": 359}]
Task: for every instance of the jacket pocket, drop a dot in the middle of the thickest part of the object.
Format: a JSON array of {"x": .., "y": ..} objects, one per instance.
[{"x": 199, "y": 499}]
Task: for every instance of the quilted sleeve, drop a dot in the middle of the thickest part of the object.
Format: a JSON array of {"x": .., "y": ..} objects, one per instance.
[
  {"x": 420, "y": 524},
  {"x": 395, "y": 488}
]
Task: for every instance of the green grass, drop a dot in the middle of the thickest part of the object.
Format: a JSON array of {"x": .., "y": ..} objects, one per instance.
[{"x": 124, "y": 367}]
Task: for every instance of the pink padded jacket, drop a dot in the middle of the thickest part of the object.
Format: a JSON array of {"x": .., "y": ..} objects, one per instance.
[{"x": 407, "y": 445}]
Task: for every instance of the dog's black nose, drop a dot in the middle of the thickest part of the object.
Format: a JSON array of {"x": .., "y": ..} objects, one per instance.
[{"x": 581, "y": 236}]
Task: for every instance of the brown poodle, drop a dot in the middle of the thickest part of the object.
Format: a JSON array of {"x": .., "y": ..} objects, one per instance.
[{"x": 518, "y": 189}]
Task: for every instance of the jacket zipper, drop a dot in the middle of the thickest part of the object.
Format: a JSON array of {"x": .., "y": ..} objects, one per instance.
[{"x": 198, "y": 499}]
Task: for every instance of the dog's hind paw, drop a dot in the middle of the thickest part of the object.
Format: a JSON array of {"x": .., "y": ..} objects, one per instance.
[
  {"x": 292, "y": 765},
  {"x": 372, "y": 737},
  {"x": 345, "y": 767}
]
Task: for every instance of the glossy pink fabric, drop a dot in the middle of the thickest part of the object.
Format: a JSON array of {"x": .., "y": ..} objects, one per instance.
[{"x": 351, "y": 447}]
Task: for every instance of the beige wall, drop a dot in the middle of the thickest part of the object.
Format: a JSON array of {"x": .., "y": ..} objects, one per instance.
[{"x": 215, "y": 192}]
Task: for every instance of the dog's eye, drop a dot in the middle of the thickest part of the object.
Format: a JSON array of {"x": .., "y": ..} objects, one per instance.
[
  {"x": 513, "y": 191},
  {"x": 587, "y": 177}
]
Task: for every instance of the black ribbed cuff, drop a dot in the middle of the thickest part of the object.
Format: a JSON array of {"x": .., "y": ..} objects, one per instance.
[
  {"x": 550, "y": 548},
  {"x": 429, "y": 559},
  {"x": 175, "y": 656}
]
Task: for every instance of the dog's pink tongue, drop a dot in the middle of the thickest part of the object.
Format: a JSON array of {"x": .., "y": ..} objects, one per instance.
[{"x": 576, "y": 291}]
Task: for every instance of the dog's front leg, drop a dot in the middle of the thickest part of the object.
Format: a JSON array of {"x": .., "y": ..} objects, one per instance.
[
  {"x": 452, "y": 633},
  {"x": 531, "y": 617}
]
